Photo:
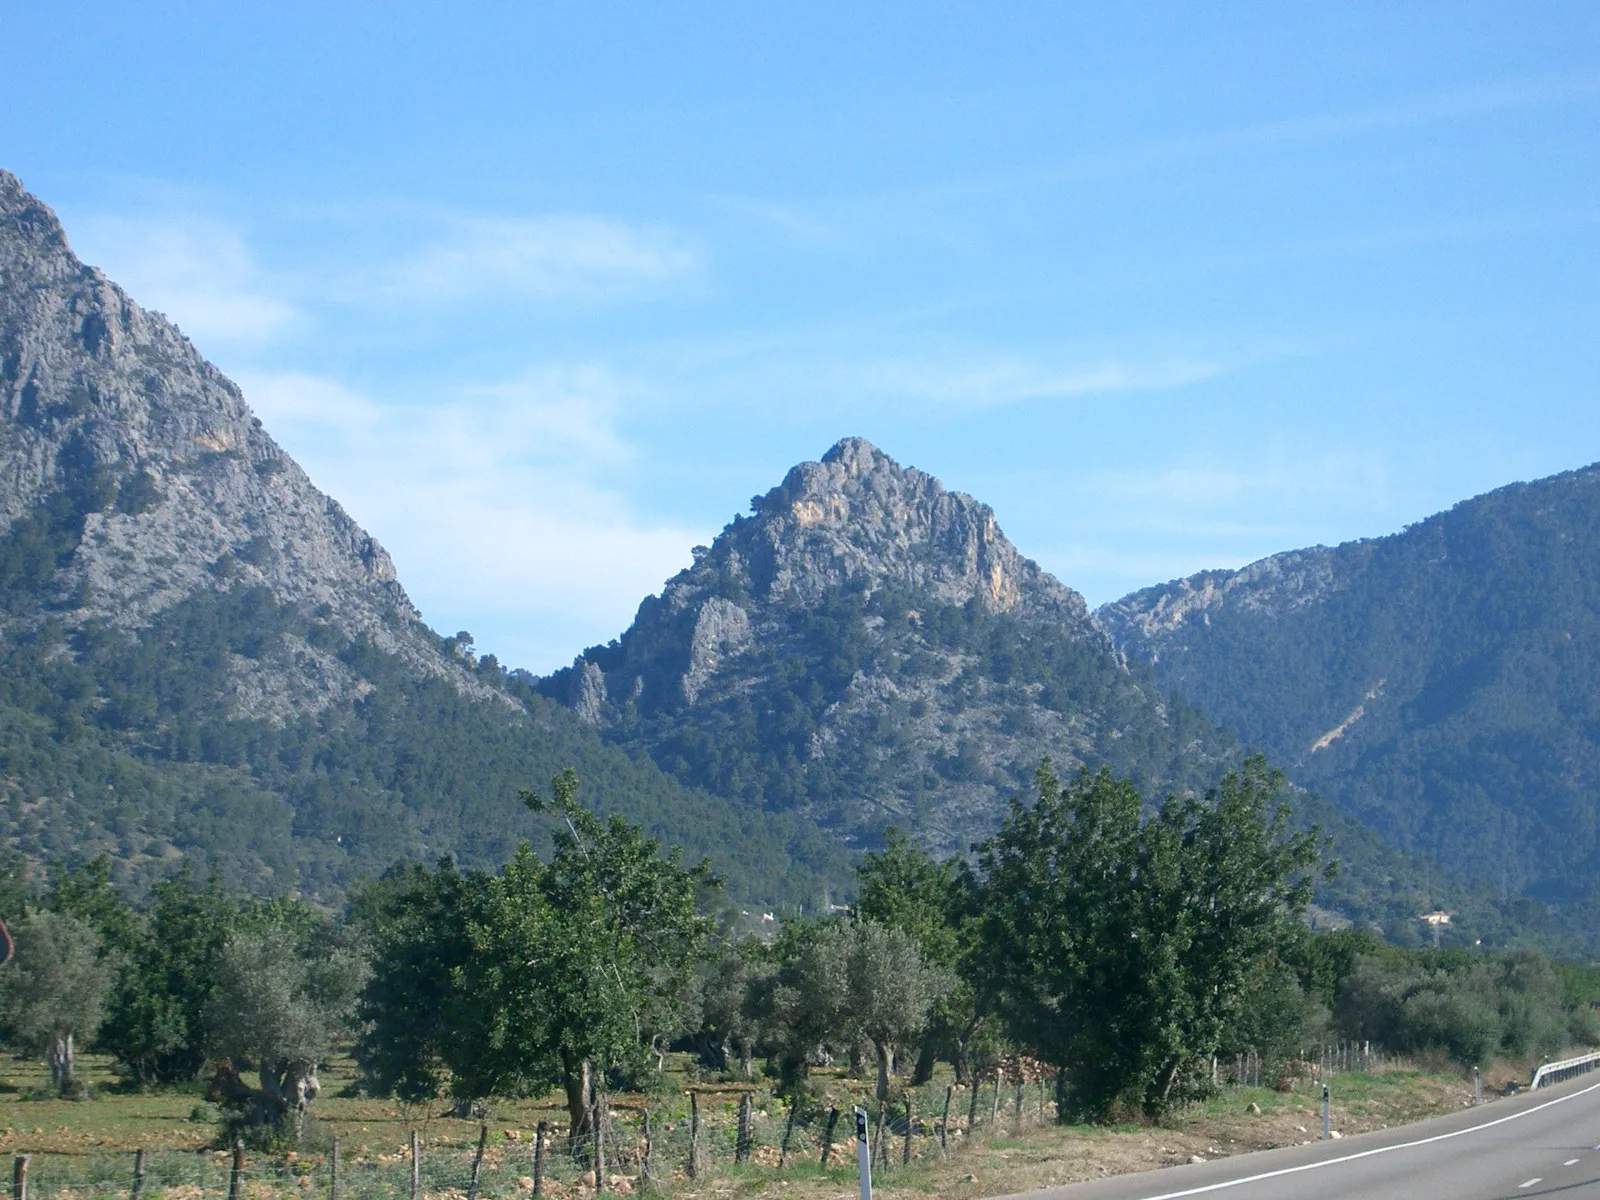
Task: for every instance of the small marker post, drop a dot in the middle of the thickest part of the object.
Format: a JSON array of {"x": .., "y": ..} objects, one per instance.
[
  {"x": 1327, "y": 1128},
  {"x": 863, "y": 1153}
]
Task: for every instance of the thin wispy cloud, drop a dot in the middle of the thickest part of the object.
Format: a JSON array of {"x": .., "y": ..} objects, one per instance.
[
  {"x": 498, "y": 500},
  {"x": 542, "y": 257},
  {"x": 1164, "y": 153},
  {"x": 198, "y": 270},
  {"x": 997, "y": 382}
]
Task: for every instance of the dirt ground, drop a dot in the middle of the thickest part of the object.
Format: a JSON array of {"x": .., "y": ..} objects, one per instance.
[{"x": 998, "y": 1159}]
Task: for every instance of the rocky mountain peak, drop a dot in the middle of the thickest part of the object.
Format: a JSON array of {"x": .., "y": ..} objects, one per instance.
[
  {"x": 868, "y": 647},
  {"x": 143, "y": 467},
  {"x": 858, "y": 518},
  {"x": 31, "y": 220}
]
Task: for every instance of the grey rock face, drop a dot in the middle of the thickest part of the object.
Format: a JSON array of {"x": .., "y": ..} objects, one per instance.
[
  {"x": 1153, "y": 620},
  {"x": 92, "y": 385},
  {"x": 855, "y": 559},
  {"x": 588, "y": 696},
  {"x": 859, "y": 516},
  {"x": 721, "y": 629}
]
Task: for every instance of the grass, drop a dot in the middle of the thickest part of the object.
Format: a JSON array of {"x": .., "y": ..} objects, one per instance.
[{"x": 85, "y": 1148}]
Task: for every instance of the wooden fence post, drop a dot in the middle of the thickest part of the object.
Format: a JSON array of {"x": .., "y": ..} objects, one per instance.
[
  {"x": 827, "y": 1138},
  {"x": 788, "y": 1132},
  {"x": 138, "y": 1174},
  {"x": 741, "y": 1144},
  {"x": 19, "y": 1177},
  {"x": 911, "y": 1120},
  {"x": 333, "y": 1171},
  {"x": 879, "y": 1154},
  {"x": 994, "y": 1111},
  {"x": 477, "y": 1160},
  {"x": 645, "y": 1151},
  {"x": 538, "y": 1158},
  {"x": 599, "y": 1123},
  {"x": 694, "y": 1166},
  {"x": 236, "y": 1173},
  {"x": 972, "y": 1103},
  {"x": 416, "y": 1166},
  {"x": 944, "y": 1125}
]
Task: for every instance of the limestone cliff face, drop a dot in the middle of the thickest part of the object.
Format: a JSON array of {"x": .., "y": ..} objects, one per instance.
[
  {"x": 1153, "y": 620},
  {"x": 177, "y": 487},
  {"x": 858, "y": 517},
  {"x": 870, "y": 648}
]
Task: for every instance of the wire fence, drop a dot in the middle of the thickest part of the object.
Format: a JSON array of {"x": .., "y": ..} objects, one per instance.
[
  {"x": 1245, "y": 1069},
  {"x": 643, "y": 1144}
]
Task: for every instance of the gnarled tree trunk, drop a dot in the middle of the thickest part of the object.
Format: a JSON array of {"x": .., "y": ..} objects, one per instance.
[
  {"x": 885, "y": 1068},
  {"x": 578, "y": 1079}
]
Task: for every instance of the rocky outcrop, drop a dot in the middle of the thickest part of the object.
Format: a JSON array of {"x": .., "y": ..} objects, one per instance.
[
  {"x": 1153, "y": 619},
  {"x": 172, "y": 484},
  {"x": 869, "y": 647},
  {"x": 858, "y": 517},
  {"x": 721, "y": 629}
]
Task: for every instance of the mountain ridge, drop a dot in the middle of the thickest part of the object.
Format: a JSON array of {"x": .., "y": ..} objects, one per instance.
[
  {"x": 204, "y": 657},
  {"x": 871, "y": 648},
  {"x": 1436, "y": 683}
]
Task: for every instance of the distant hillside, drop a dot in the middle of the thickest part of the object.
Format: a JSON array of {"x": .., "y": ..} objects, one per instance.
[
  {"x": 204, "y": 657},
  {"x": 868, "y": 649},
  {"x": 1441, "y": 685}
]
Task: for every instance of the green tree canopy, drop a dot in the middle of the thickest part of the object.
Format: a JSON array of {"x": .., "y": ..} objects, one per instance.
[
  {"x": 1123, "y": 949},
  {"x": 52, "y": 992}
]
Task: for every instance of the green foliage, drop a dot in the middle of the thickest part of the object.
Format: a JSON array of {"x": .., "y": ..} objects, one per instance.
[
  {"x": 544, "y": 971},
  {"x": 156, "y": 1024},
  {"x": 51, "y": 993},
  {"x": 1470, "y": 644},
  {"x": 904, "y": 887},
  {"x": 279, "y": 1002},
  {"x": 14, "y": 887},
  {"x": 124, "y": 746},
  {"x": 842, "y": 984},
  {"x": 418, "y": 927},
  {"x": 86, "y": 892},
  {"x": 724, "y": 1007},
  {"x": 1126, "y": 950}
]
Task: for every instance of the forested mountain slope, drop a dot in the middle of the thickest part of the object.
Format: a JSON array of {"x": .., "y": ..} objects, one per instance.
[
  {"x": 203, "y": 656},
  {"x": 868, "y": 649},
  {"x": 1442, "y": 684}
]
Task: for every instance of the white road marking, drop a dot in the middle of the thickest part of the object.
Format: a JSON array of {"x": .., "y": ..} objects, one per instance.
[
  {"x": 1333, "y": 1162},
  {"x": 1569, "y": 1162},
  {"x": 1530, "y": 1182}
]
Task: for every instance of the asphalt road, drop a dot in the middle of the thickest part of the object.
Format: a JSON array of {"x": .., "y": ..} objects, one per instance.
[{"x": 1544, "y": 1143}]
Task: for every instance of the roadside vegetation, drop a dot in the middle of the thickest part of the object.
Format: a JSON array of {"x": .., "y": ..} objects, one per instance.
[{"x": 1097, "y": 987}]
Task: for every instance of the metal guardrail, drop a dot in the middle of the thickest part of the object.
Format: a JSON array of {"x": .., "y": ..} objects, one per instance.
[{"x": 1555, "y": 1072}]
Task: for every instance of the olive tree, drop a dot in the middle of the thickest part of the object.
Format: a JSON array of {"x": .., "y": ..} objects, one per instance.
[
  {"x": 54, "y": 989},
  {"x": 279, "y": 1006},
  {"x": 851, "y": 982}
]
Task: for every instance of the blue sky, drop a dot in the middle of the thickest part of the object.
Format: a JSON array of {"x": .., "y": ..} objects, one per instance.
[{"x": 543, "y": 293}]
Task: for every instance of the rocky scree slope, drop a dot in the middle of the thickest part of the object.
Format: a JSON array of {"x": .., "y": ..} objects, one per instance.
[
  {"x": 867, "y": 648},
  {"x": 203, "y": 657},
  {"x": 1441, "y": 684}
]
